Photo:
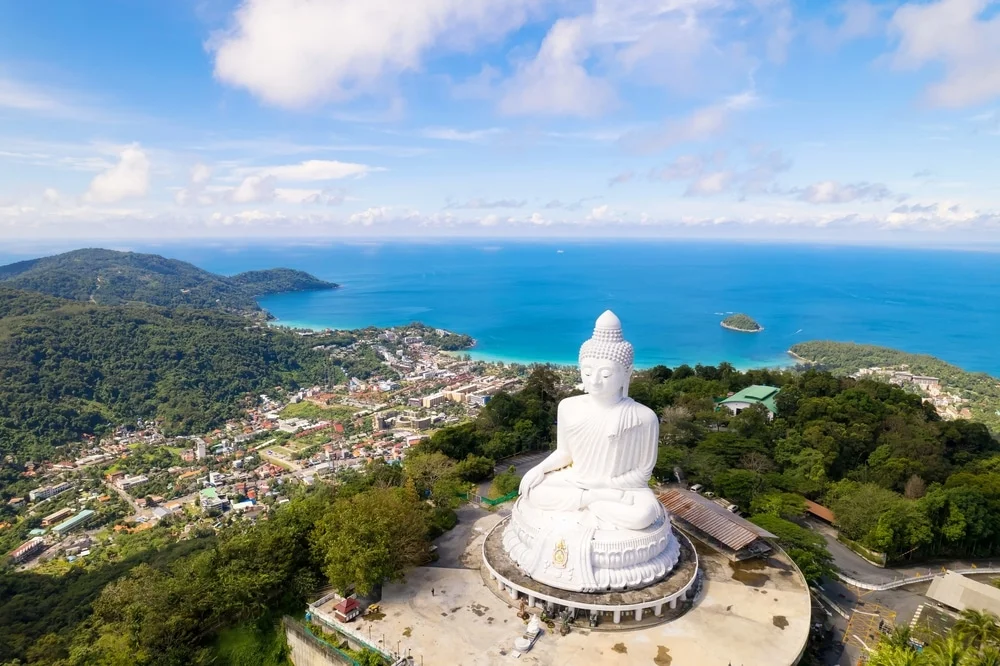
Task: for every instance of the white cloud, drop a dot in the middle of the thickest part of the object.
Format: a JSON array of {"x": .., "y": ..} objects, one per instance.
[
  {"x": 295, "y": 54},
  {"x": 129, "y": 178},
  {"x": 195, "y": 191},
  {"x": 371, "y": 216},
  {"x": 956, "y": 35},
  {"x": 619, "y": 179},
  {"x": 452, "y": 134},
  {"x": 480, "y": 203},
  {"x": 778, "y": 22},
  {"x": 556, "y": 82},
  {"x": 316, "y": 170},
  {"x": 688, "y": 46},
  {"x": 711, "y": 183},
  {"x": 686, "y": 167},
  {"x": 308, "y": 196},
  {"x": 480, "y": 86},
  {"x": 856, "y": 19},
  {"x": 703, "y": 123},
  {"x": 51, "y": 195},
  {"x": 718, "y": 173},
  {"x": 599, "y": 212},
  {"x": 253, "y": 189},
  {"x": 25, "y": 97},
  {"x": 830, "y": 191}
]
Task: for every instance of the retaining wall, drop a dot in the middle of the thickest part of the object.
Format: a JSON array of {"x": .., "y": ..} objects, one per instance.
[{"x": 308, "y": 650}]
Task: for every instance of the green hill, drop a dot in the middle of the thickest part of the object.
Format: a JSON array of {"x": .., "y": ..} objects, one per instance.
[
  {"x": 842, "y": 358},
  {"x": 109, "y": 277},
  {"x": 742, "y": 322},
  {"x": 71, "y": 368}
]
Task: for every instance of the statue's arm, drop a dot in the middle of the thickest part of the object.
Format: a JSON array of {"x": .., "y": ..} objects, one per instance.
[
  {"x": 644, "y": 458},
  {"x": 560, "y": 457}
]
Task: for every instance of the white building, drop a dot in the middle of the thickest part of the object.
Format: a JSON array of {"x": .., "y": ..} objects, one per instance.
[
  {"x": 434, "y": 400},
  {"x": 958, "y": 592},
  {"x": 127, "y": 482},
  {"x": 45, "y": 492}
]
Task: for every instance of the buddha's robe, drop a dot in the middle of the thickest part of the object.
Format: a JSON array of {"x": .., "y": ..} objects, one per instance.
[{"x": 612, "y": 453}]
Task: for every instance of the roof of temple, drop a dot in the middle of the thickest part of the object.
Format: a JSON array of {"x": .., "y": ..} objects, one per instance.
[{"x": 714, "y": 520}]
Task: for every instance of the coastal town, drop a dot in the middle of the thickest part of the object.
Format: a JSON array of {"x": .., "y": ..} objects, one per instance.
[
  {"x": 138, "y": 476},
  {"x": 949, "y": 405}
]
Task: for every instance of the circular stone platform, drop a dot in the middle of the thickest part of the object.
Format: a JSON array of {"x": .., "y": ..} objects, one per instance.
[{"x": 650, "y": 605}]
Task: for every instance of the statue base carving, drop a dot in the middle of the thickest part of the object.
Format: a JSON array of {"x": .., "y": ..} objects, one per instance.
[
  {"x": 573, "y": 551},
  {"x": 662, "y": 601}
]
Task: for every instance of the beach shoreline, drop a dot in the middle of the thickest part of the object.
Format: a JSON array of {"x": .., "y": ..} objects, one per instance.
[
  {"x": 739, "y": 330},
  {"x": 781, "y": 363}
]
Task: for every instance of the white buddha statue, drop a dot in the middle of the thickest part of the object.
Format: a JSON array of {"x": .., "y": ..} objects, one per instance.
[{"x": 586, "y": 519}]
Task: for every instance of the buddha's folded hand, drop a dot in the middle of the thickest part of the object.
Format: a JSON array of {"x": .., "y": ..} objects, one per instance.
[{"x": 531, "y": 479}]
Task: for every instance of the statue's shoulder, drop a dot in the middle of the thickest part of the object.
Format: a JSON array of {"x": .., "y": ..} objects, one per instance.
[
  {"x": 645, "y": 415},
  {"x": 572, "y": 404}
]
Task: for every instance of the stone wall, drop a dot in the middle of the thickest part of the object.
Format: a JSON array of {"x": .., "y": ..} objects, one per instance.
[{"x": 307, "y": 650}]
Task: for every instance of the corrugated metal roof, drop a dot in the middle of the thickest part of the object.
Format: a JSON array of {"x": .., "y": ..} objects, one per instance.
[
  {"x": 712, "y": 519},
  {"x": 819, "y": 511},
  {"x": 756, "y": 393}
]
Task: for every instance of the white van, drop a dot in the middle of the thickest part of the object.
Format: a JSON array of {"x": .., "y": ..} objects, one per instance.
[{"x": 697, "y": 488}]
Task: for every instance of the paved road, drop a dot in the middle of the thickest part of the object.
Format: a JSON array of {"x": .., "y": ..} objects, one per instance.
[
  {"x": 853, "y": 565},
  {"x": 452, "y": 544},
  {"x": 849, "y": 562}
]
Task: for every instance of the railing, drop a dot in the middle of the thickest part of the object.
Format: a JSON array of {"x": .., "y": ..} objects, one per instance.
[
  {"x": 500, "y": 500},
  {"x": 912, "y": 580},
  {"x": 347, "y": 632},
  {"x": 479, "y": 499}
]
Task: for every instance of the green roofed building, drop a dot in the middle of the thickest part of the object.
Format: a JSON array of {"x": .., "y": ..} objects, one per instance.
[
  {"x": 752, "y": 395},
  {"x": 71, "y": 524}
]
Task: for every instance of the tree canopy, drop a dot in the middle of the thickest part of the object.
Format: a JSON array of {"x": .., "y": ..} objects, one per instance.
[{"x": 109, "y": 277}]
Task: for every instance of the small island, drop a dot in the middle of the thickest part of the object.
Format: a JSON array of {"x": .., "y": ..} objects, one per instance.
[{"x": 742, "y": 323}]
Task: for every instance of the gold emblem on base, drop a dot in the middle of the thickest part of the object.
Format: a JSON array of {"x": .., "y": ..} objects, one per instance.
[{"x": 560, "y": 556}]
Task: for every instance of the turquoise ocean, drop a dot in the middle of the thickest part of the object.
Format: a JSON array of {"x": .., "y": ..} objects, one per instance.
[{"x": 538, "y": 301}]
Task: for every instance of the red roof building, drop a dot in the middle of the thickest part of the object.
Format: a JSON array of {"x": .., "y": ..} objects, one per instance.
[{"x": 347, "y": 610}]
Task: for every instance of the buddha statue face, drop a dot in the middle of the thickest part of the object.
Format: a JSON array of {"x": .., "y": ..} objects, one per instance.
[{"x": 603, "y": 379}]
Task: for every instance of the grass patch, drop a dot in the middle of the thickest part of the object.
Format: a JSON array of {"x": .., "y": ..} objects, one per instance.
[
  {"x": 277, "y": 461},
  {"x": 312, "y": 411}
]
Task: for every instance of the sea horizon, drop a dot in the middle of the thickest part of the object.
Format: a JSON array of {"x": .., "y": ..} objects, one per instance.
[{"x": 537, "y": 301}]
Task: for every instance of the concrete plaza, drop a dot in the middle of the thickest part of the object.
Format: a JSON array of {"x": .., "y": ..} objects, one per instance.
[{"x": 755, "y": 615}]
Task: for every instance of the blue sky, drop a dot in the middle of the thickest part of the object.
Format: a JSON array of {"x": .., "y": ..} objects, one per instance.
[{"x": 758, "y": 119}]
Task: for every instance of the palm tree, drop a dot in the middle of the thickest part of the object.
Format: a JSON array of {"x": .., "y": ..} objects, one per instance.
[
  {"x": 990, "y": 656},
  {"x": 950, "y": 651},
  {"x": 900, "y": 637},
  {"x": 979, "y": 628},
  {"x": 888, "y": 654}
]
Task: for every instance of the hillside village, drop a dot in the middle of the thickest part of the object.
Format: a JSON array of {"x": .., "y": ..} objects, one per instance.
[{"x": 135, "y": 477}]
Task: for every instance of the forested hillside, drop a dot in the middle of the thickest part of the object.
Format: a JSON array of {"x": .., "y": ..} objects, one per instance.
[
  {"x": 899, "y": 478},
  {"x": 216, "y": 599},
  {"x": 73, "y": 368},
  {"x": 841, "y": 358},
  {"x": 111, "y": 278}
]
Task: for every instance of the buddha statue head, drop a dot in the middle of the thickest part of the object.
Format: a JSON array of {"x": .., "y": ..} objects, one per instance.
[{"x": 606, "y": 361}]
